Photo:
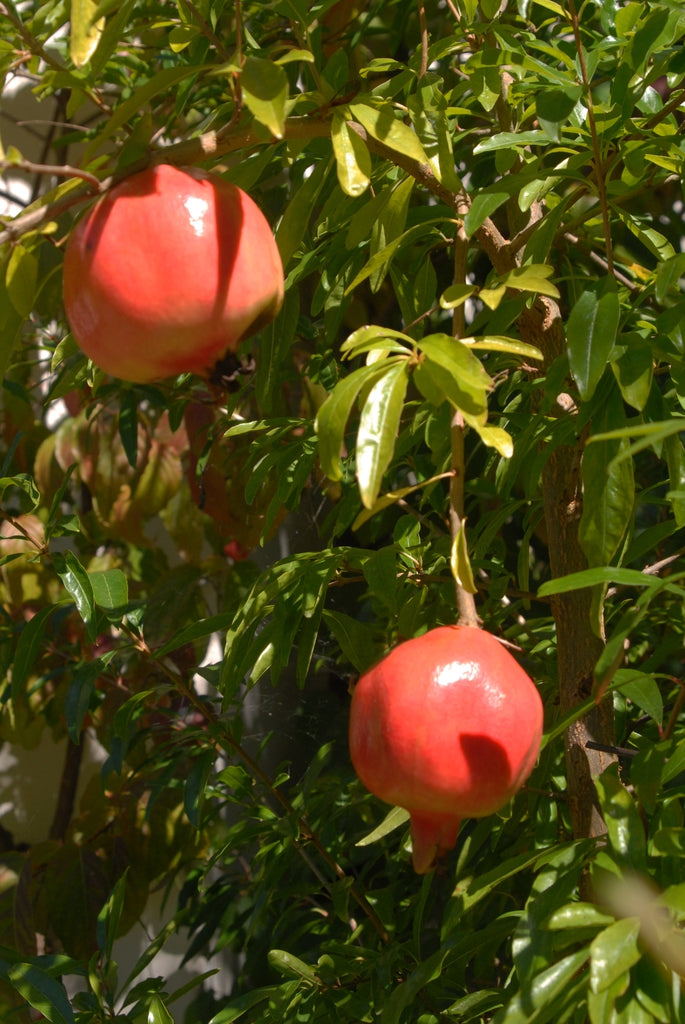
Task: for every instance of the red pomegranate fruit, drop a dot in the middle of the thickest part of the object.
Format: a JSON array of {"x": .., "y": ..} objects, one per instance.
[
  {"x": 448, "y": 726},
  {"x": 169, "y": 271}
]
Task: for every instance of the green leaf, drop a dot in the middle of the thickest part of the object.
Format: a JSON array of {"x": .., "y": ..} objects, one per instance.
[
  {"x": 110, "y": 588},
  {"x": 21, "y": 279},
  {"x": 533, "y": 277},
  {"x": 608, "y": 489},
  {"x": 577, "y": 915},
  {"x": 353, "y": 638},
  {"x": 77, "y": 701},
  {"x": 28, "y": 646},
  {"x": 396, "y": 817},
  {"x": 265, "y": 92},
  {"x": 370, "y": 337},
  {"x": 613, "y": 952},
  {"x": 110, "y": 917},
  {"x": 333, "y": 415},
  {"x": 482, "y": 206},
  {"x": 494, "y": 437},
  {"x": 388, "y": 226},
  {"x": 352, "y": 157},
  {"x": 554, "y": 107},
  {"x": 591, "y": 332},
  {"x": 643, "y": 690},
  {"x": 460, "y": 563},
  {"x": 292, "y": 228},
  {"x": 456, "y": 295},
  {"x": 77, "y": 582},
  {"x": 380, "y": 122},
  {"x": 41, "y": 991},
  {"x": 383, "y": 257},
  {"x": 632, "y": 364},
  {"x": 157, "y": 1012},
  {"x": 595, "y": 577},
  {"x": 458, "y": 372},
  {"x": 127, "y": 111},
  {"x": 535, "y": 998},
  {"x": 286, "y": 963},
  {"x": 499, "y": 343},
  {"x": 624, "y": 826},
  {"x": 85, "y": 31},
  {"x": 378, "y": 429}
]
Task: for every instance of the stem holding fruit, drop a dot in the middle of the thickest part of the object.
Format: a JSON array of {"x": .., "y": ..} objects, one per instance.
[{"x": 466, "y": 604}]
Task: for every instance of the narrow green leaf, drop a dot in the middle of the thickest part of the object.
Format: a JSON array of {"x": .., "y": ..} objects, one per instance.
[
  {"x": 21, "y": 279},
  {"x": 624, "y": 826},
  {"x": 378, "y": 429},
  {"x": 352, "y": 157},
  {"x": 457, "y": 358},
  {"x": 110, "y": 916},
  {"x": 182, "y": 36},
  {"x": 385, "y": 255},
  {"x": 77, "y": 582},
  {"x": 367, "y": 338},
  {"x": 577, "y": 915},
  {"x": 41, "y": 991},
  {"x": 482, "y": 206},
  {"x": 538, "y": 996},
  {"x": 286, "y": 963},
  {"x": 608, "y": 489},
  {"x": 333, "y": 416},
  {"x": 265, "y": 92},
  {"x": 165, "y": 79},
  {"x": 292, "y": 227},
  {"x": 28, "y": 645},
  {"x": 500, "y": 343},
  {"x": 460, "y": 563},
  {"x": 456, "y": 372},
  {"x": 613, "y": 952},
  {"x": 381, "y": 123},
  {"x": 494, "y": 437},
  {"x": 353, "y": 638},
  {"x": 591, "y": 332},
  {"x": 77, "y": 701},
  {"x": 456, "y": 295},
  {"x": 533, "y": 277},
  {"x": 388, "y": 226},
  {"x": 632, "y": 363},
  {"x": 157, "y": 1012},
  {"x": 394, "y": 818},
  {"x": 195, "y": 785}
]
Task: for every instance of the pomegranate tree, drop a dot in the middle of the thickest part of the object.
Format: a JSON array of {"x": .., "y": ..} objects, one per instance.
[
  {"x": 168, "y": 272},
  {"x": 448, "y": 726}
]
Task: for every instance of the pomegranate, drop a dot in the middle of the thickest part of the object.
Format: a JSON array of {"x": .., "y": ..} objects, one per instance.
[
  {"x": 448, "y": 726},
  {"x": 167, "y": 272}
]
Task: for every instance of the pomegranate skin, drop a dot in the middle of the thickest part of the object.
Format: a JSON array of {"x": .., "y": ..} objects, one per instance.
[
  {"x": 167, "y": 272},
  {"x": 448, "y": 726}
]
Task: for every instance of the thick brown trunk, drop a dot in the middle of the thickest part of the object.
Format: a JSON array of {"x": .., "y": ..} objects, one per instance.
[{"x": 578, "y": 647}]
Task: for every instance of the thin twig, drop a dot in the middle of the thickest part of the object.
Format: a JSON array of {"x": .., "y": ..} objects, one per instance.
[{"x": 58, "y": 170}]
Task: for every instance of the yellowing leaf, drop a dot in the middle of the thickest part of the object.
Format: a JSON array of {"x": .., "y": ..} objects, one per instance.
[
  {"x": 352, "y": 157},
  {"x": 460, "y": 563},
  {"x": 85, "y": 33}
]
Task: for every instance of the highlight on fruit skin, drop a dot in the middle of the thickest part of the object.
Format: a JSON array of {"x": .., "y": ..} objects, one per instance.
[
  {"x": 447, "y": 725},
  {"x": 167, "y": 272}
]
